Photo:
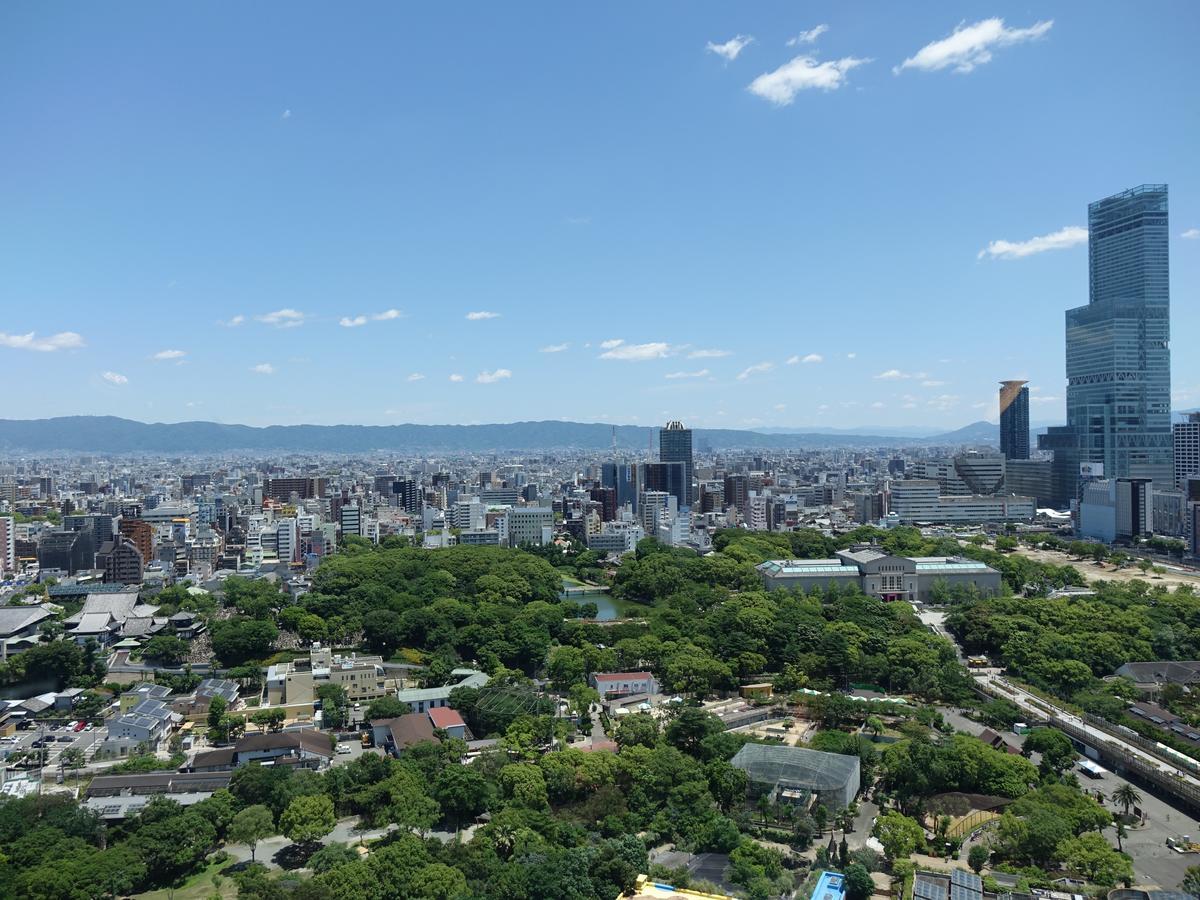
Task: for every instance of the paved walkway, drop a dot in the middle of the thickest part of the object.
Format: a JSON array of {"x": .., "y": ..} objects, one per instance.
[{"x": 343, "y": 833}]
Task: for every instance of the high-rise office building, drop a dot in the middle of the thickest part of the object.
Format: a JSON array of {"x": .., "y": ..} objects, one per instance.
[
  {"x": 670, "y": 477},
  {"x": 675, "y": 445},
  {"x": 623, "y": 478},
  {"x": 1118, "y": 349},
  {"x": 737, "y": 492},
  {"x": 1186, "y": 438},
  {"x": 1014, "y": 419},
  {"x": 406, "y": 494}
]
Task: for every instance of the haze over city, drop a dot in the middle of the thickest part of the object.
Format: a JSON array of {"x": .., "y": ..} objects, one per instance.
[{"x": 745, "y": 217}]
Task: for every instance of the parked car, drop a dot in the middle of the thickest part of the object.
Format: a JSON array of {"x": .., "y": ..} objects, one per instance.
[
  {"x": 343, "y": 749},
  {"x": 89, "y": 727},
  {"x": 79, "y": 726},
  {"x": 72, "y": 724}
]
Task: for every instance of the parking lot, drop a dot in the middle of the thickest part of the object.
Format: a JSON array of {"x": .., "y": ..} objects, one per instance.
[
  {"x": 54, "y": 739},
  {"x": 341, "y": 758}
]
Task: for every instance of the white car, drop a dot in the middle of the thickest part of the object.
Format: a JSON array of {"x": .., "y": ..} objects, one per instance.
[{"x": 344, "y": 750}]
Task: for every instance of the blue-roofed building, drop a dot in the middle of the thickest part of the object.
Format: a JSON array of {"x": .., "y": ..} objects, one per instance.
[
  {"x": 880, "y": 574},
  {"x": 830, "y": 886}
]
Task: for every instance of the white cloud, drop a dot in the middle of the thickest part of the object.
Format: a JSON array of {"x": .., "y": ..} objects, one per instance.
[
  {"x": 943, "y": 402},
  {"x": 234, "y": 322},
  {"x": 416, "y": 376},
  {"x": 810, "y": 358},
  {"x": 555, "y": 348},
  {"x": 355, "y": 321},
  {"x": 699, "y": 373},
  {"x": 709, "y": 354},
  {"x": 803, "y": 73},
  {"x": 971, "y": 45},
  {"x": 895, "y": 375},
  {"x": 456, "y": 377},
  {"x": 877, "y": 405},
  {"x": 170, "y": 354},
  {"x": 115, "y": 378},
  {"x": 610, "y": 343},
  {"x": 1191, "y": 234},
  {"x": 493, "y": 377},
  {"x": 1044, "y": 399},
  {"x": 287, "y": 114},
  {"x": 1064, "y": 238},
  {"x": 263, "y": 369},
  {"x": 755, "y": 369},
  {"x": 807, "y": 37},
  {"x": 64, "y": 340},
  {"x": 932, "y": 382},
  {"x": 636, "y": 352},
  {"x": 851, "y": 355},
  {"x": 482, "y": 314},
  {"x": 283, "y": 318},
  {"x": 731, "y": 48}
]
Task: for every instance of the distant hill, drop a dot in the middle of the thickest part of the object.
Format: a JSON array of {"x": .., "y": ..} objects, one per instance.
[
  {"x": 116, "y": 435},
  {"x": 976, "y": 433}
]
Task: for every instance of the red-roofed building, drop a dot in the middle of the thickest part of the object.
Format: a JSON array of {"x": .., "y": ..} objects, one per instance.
[
  {"x": 448, "y": 720},
  {"x": 622, "y": 684}
]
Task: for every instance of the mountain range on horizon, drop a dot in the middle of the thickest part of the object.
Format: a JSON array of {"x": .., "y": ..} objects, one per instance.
[
  {"x": 113, "y": 434},
  {"x": 118, "y": 435}
]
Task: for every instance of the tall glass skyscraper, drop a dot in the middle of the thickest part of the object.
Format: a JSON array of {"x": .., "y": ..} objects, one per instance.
[
  {"x": 675, "y": 445},
  {"x": 1014, "y": 419},
  {"x": 1118, "y": 348}
]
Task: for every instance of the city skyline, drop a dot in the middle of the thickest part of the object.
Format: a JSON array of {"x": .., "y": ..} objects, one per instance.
[{"x": 276, "y": 243}]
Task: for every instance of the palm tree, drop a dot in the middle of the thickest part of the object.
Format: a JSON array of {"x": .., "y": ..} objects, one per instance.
[
  {"x": 1126, "y": 795},
  {"x": 1120, "y": 834}
]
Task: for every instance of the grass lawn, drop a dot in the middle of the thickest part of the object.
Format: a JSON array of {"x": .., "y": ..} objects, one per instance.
[{"x": 198, "y": 886}]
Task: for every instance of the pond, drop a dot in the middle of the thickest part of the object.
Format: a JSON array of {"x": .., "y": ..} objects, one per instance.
[{"x": 607, "y": 606}]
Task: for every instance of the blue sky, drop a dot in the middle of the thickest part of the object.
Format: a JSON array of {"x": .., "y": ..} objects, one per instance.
[{"x": 786, "y": 214}]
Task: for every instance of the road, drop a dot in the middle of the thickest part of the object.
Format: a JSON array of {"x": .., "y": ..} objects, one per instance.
[{"x": 271, "y": 851}]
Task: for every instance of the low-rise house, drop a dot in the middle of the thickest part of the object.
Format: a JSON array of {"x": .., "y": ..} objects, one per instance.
[
  {"x": 445, "y": 719},
  {"x": 115, "y": 797},
  {"x": 959, "y": 884},
  {"x": 147, "y": 723},
  {"x": 1152, "y": 677},
  {"x": 308, "y": 748},
  {"x": 147, "y": 690},
  {"x": 620, "y": 684},
  {"x": 424, "y": 699},
  {"x": 397, "y": 735}
]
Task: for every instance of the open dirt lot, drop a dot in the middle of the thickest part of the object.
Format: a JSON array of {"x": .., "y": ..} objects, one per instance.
[{"x": 1105, "y": 572}]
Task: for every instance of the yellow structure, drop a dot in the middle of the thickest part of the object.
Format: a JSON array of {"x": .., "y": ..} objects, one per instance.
[
  {"x": 653, "y": 890},
  {"x": 760, "y": 691}
]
